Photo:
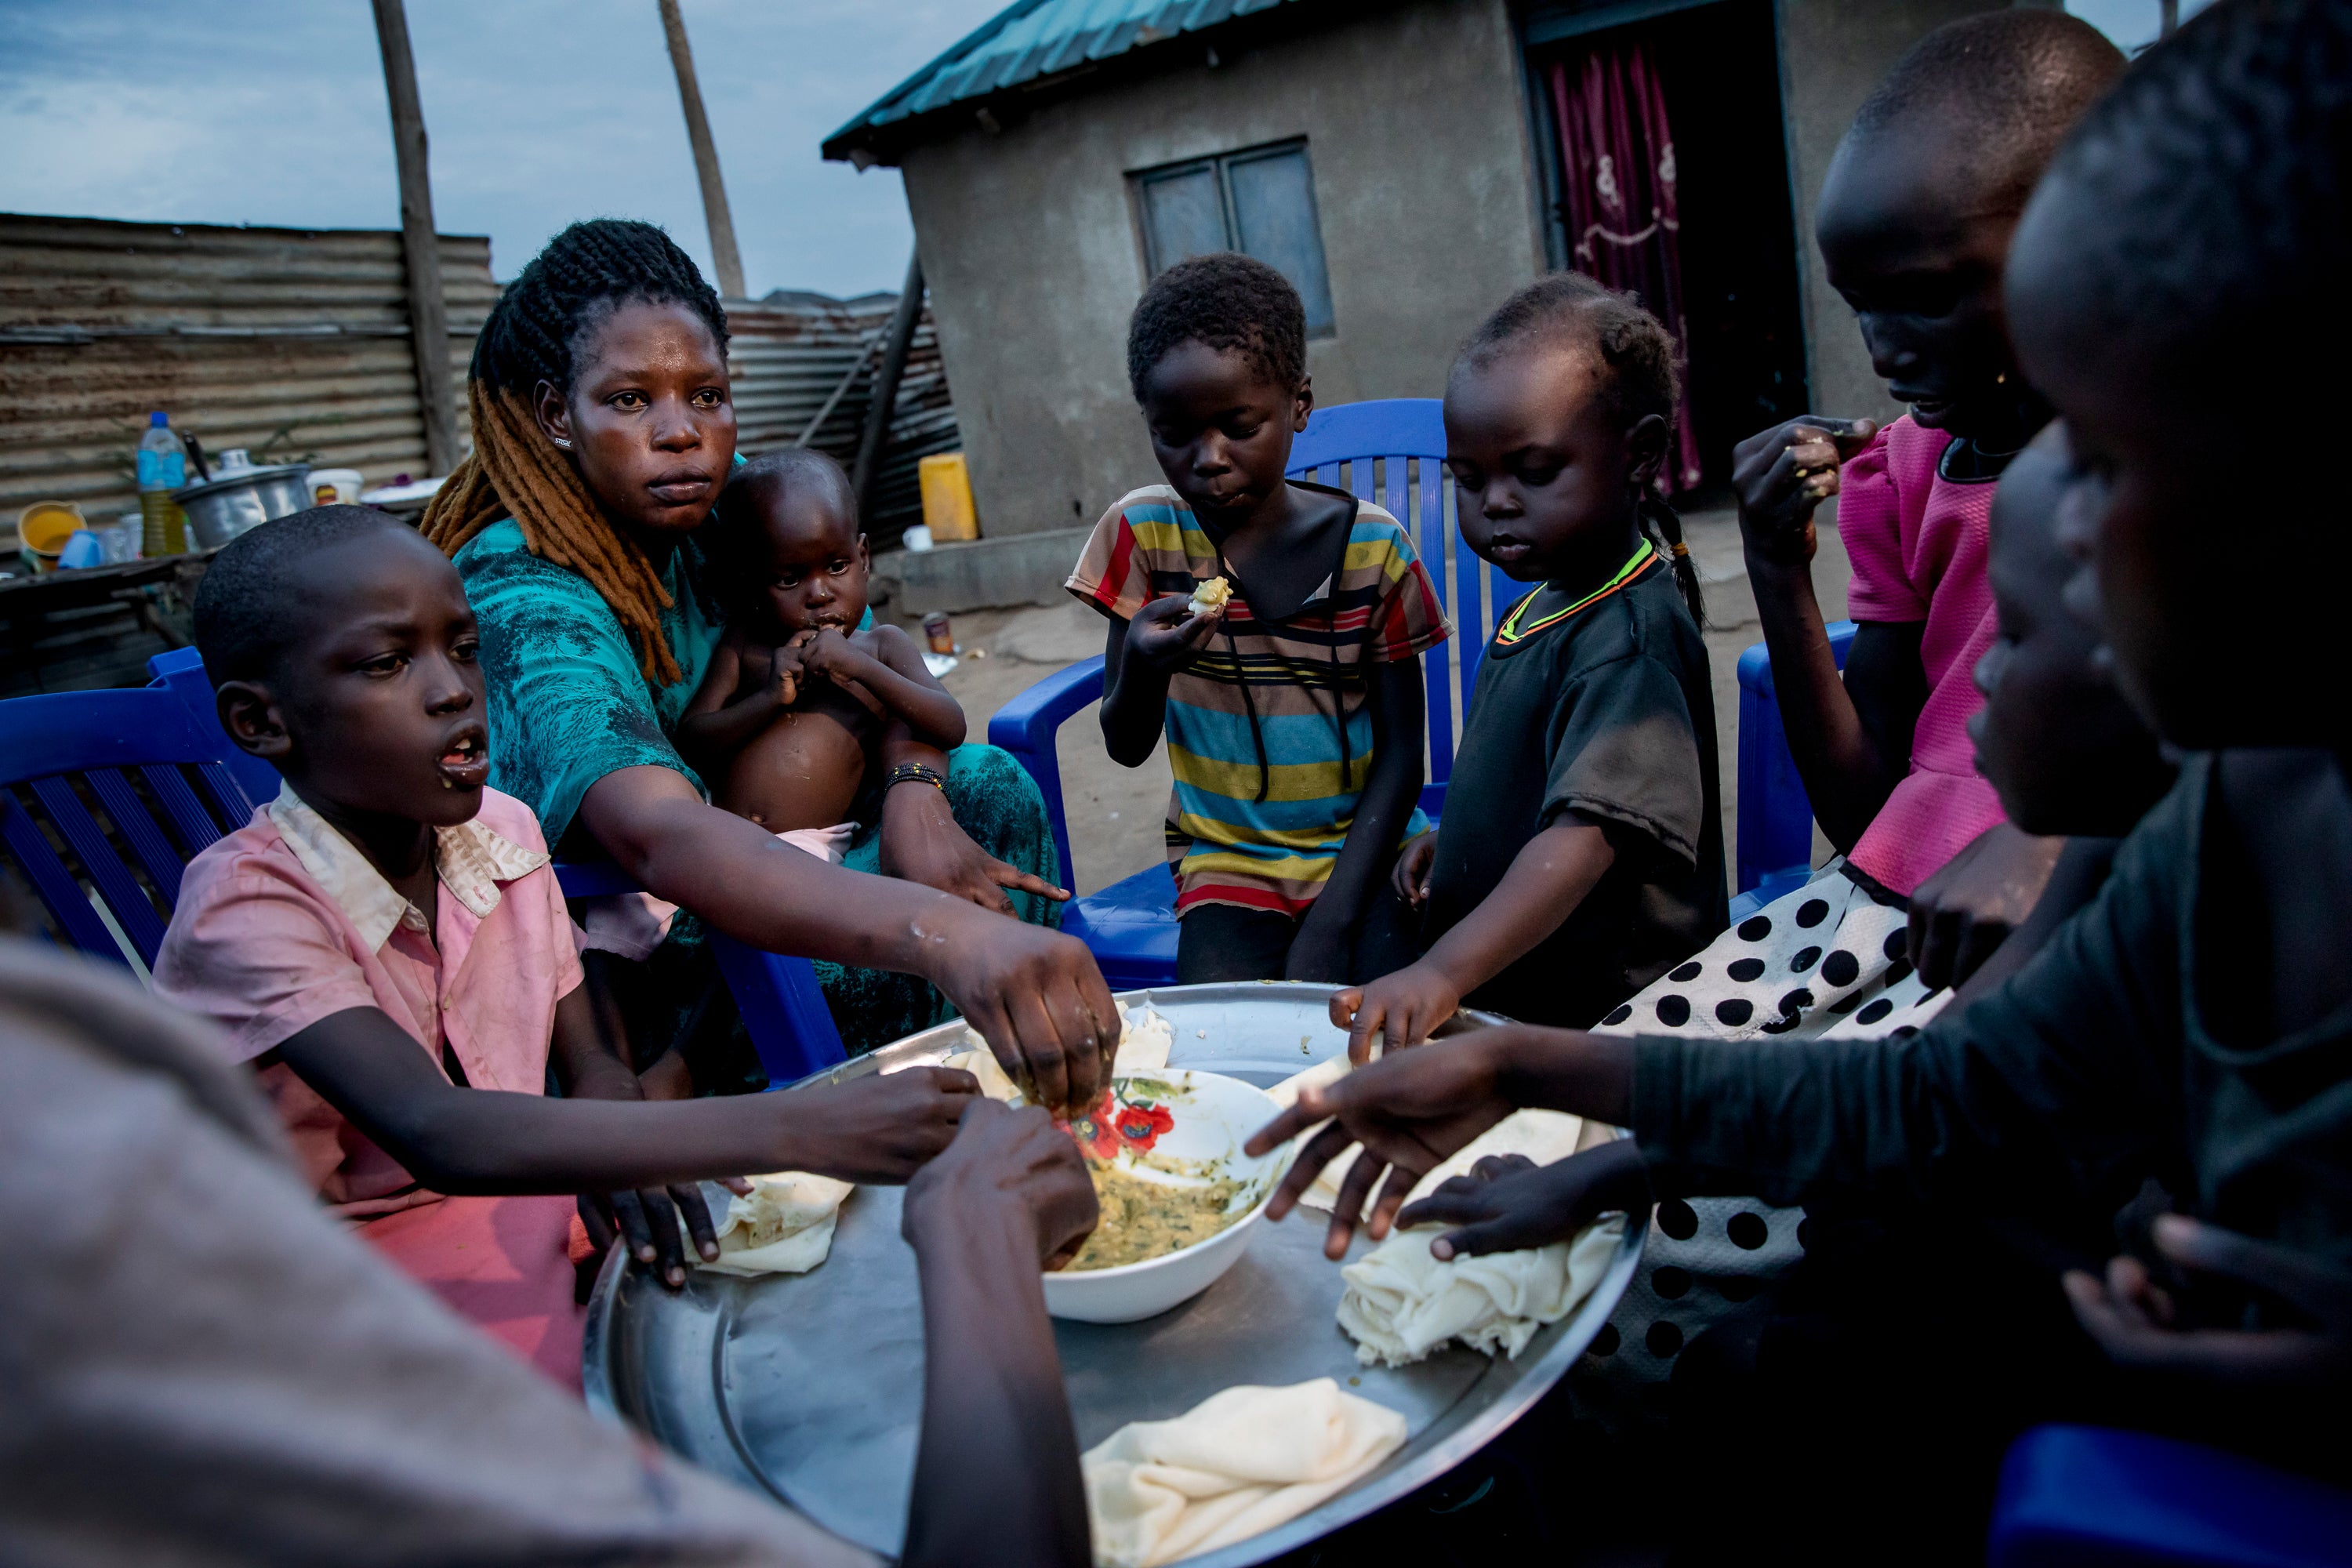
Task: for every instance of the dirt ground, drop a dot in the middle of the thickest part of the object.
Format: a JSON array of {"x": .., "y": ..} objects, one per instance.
[{"x": 1115, "y": 813}]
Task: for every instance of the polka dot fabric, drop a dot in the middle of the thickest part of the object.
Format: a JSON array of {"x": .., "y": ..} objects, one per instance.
[
  {"x": 1800, "y": 965},
  {"x": 1826, "y": 961}
]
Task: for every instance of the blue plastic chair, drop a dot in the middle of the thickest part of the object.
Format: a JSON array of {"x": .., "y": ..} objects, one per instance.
[
  {"x": 2093, "y": 1495},
  {"x": 1775, "y": 818},
  {"x": 784, "y": 1008},
  {"x": 106, "y": 796},
  {"x": 1391, "y": 452},
  {"x": 76, "y": 750}
]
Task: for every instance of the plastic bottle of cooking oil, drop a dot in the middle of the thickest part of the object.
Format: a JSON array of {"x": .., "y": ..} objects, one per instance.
[{"x": 163, "y": 468}]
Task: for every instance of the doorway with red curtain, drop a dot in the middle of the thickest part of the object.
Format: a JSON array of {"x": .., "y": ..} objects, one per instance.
[
  {"x": 1618, "y": 196},
  {"x": 1672, "y": 183}
]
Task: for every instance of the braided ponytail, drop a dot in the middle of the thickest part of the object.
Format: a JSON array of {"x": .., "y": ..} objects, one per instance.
[
  {"x": 1663, "y": 524},
  {"x": 1641, "y": 355},
  {"x": 584, "y": 274}
]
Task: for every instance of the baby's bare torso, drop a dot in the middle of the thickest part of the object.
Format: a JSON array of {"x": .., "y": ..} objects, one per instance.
[{"x": 805, "y": 769}]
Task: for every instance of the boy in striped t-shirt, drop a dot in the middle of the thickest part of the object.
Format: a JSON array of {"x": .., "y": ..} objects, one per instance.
[{"x": 1294, "y": 709}]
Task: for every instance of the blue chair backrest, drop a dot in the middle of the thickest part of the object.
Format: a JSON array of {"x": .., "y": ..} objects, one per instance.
[
  {"x": 1392, "y": 452},
  {"x": 106, "y": 796},
  {"x": 1775, "y": 831}
]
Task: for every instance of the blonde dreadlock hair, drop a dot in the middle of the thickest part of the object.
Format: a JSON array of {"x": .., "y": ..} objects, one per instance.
[{"x": 584, "y": 274}]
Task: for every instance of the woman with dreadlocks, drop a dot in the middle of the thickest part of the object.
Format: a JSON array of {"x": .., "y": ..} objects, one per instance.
[{"x": 602, "y": 432}]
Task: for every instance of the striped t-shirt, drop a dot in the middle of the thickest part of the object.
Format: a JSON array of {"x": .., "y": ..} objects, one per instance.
[{"x": 1263, "y": 793}]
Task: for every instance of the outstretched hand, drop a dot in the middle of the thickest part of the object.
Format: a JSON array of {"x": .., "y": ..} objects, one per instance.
[
  {"x": 1411, "y": 1112},
  {"x": 1019, "y": 1158},
  {"x": 1403, "y": 1008},
  {"x": 646, "y": 1221},
  {"x": 1782, "y": 474},
  {"x": 2138, "y": 1322},
  {"x": 922, "y": 842},
  {"x": 1036, "y": 998},
  {"x": 1966, "y": 910},
  {"x": 884, "y": 1127},
  {"x": 1509, "y": 1203}
]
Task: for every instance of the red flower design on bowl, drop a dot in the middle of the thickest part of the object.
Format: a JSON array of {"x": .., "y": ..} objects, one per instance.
[
  {"x": 1112, "y": 1123},
  {"x": 1141, "y": 1123}
]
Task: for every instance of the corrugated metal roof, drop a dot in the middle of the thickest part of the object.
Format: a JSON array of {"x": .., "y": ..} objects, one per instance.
[
  {"x": 293, "y": 343},
  {"x": 1035, "y": 39}
]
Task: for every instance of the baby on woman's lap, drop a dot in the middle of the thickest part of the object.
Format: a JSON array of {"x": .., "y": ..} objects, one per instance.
[{"x": 789, "y": 725}]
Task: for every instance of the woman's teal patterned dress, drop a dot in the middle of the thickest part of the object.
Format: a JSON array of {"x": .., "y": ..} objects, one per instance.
[{"x": 568, "y": 705}]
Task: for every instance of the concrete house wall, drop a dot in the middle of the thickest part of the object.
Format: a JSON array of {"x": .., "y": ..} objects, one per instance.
[{"x": 1418, "y": 131}]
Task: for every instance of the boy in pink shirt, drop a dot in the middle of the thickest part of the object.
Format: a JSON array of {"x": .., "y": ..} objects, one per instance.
[{"x": 387, "y": 943}]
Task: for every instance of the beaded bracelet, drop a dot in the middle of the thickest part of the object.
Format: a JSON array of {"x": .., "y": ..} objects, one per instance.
[{"x": 906, "y": 772}]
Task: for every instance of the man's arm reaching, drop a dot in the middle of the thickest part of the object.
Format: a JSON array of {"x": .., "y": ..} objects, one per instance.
[
  {"x": 996, "y": 1468},
  {"x": 2061, "y": 1076}
]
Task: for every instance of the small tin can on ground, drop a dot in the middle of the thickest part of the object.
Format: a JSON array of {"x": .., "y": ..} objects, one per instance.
[{"x": 936, "y": 634}]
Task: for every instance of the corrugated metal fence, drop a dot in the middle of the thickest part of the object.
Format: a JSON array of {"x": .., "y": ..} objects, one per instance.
[
  {"x": 294, "y": 344},
  {"x": 789, "y": 355},
  {"x": 291, "y": 344}
]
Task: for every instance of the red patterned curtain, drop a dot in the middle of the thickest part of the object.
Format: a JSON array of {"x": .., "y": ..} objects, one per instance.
[{"x": 1617, "y": 165}]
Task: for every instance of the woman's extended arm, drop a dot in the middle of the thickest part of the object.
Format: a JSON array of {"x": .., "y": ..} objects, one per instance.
[
  {"x": 1326, "y": 936},
  {"x": 923, "y": 843},
  {"x": 1035, "y": 995}
]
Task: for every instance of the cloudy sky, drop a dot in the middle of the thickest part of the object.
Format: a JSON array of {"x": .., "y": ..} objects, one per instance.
[{"x": 539, "y": 111}]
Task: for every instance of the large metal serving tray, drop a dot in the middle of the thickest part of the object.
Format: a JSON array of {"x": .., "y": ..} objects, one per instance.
[{"x": 810, "y": 1386}]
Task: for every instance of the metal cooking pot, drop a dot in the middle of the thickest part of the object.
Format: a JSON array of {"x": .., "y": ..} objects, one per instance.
[{"x": 224, "y": 508}]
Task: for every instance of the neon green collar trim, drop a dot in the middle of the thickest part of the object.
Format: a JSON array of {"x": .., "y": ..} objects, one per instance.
[{"x": 1513, "y": 631}]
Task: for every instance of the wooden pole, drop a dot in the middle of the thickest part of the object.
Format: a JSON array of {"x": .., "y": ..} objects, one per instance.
[
  {"x": 2169, "y": 19},
  {"x": 723, "y": 254},
  {"x": 428, "y": 313},
  {"x": 885, "y": 385}
]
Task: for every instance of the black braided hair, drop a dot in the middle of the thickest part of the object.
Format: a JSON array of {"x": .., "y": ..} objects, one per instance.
[
  {"x": 1996, "y": 91},
  {"x": 1227, "y": 301},
  {"x": 586, "y": 273},
  {"x": 1568, "y": 308},
  {"x": 2217, "y": 244}
]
